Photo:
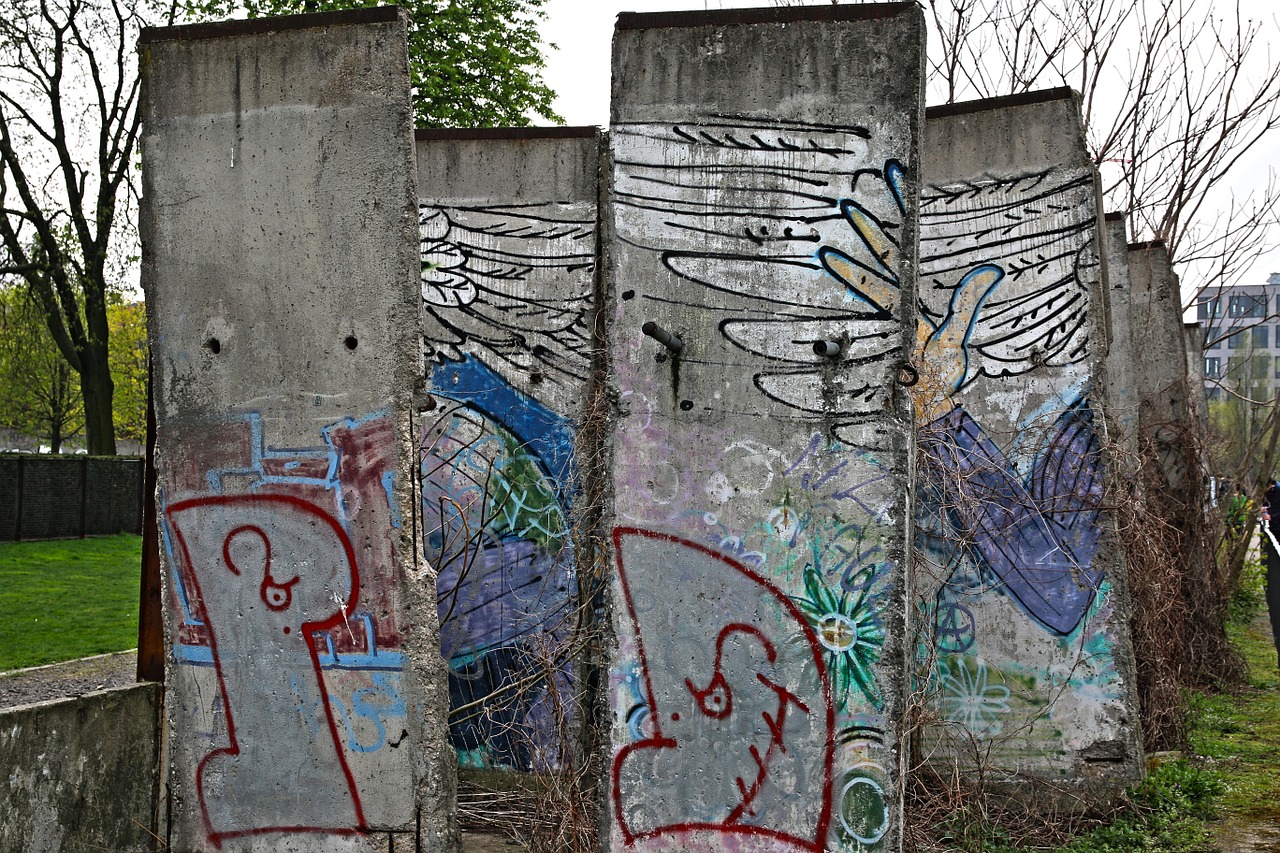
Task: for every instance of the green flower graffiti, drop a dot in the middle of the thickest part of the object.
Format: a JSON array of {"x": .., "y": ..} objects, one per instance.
[
  {"x": 522, "y": 501},
  {"x": 851, "y": 635}
]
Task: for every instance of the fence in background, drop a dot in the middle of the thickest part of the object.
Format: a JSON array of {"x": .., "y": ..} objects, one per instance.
[{"x": 54, "y": 497}]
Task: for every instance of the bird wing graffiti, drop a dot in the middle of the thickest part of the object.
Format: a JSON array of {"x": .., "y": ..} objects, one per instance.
[
  {"x": 512, "y": 283},
  {"x": 1027, "y": 227},
  {"x": 798, "y": 203}
]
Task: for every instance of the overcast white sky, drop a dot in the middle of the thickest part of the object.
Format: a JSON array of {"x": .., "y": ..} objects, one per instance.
[{"x": 583, "y": 31}]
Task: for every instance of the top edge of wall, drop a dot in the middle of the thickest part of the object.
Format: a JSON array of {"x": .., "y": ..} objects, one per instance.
[
  {"x": 1042, "y": 96},
  {"x": 1148, "y": 244},
  {"x": 430, "y": 134},
  {"x": 260, "y": 26},
  {"x": 1113, "y": 216},
  {"x": 760, "y": 15}
]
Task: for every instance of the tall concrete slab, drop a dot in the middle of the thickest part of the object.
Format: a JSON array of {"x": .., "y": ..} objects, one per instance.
[
  {"x": 507, "y": 221},
  {"x": 305, "y": 691},
  {"x": 1193, "y": 338},
  {"x": 761, "y": 269},
  {"x": 1122, "y": 360},
  {"x": 1027, "y": 663},
  {"x": 1165, "y": 412}
]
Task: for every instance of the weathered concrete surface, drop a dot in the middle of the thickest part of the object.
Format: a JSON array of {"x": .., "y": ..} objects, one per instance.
[
  {"x": 1122, "y": 360},
  {"x": 1193, "y": 339},
  {"x": 1021, "y": 578},
  {"x": 1165, "y": 410},
  {"x": 306, "y": 694},
  {"x": 81, "y": 774},
  {"x": 507, "y": 222},
  {"x": 764, "y": 185}
]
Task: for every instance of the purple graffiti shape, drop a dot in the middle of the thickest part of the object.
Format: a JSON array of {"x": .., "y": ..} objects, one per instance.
[
  {"x": 1039, "y": 537},
  {"x": 741, "y": 735},
  {"x": 279, "y": 772}
]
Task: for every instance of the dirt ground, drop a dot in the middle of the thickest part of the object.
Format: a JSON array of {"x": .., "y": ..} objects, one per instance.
[
  {"x": 475, "y": 842},
  {"x": 64, "y": 680}
]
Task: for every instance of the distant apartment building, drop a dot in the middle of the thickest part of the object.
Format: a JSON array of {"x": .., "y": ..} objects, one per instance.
[{"x": 1240, "y": 328}]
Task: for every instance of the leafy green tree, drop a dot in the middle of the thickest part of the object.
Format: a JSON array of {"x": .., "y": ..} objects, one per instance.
[
  {"x": 475, "y": 63},
  {"x": 68, "y": 140},
  {"x": 39, "y": 392},
  {"x": 128, "y": 356}
]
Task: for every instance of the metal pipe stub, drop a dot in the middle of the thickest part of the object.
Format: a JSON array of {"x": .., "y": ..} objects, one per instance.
[
  {"x": 827, "y": 349},
  {"x": 662, "y": 336}
]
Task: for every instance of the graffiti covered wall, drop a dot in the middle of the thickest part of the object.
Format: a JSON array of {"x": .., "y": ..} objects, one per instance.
[
  {"x": 1025, "y": 652},
  {"x": 761, "y": 252},
  {"x": 300, "y": 626},
  {"x": 507, "y": 223}
]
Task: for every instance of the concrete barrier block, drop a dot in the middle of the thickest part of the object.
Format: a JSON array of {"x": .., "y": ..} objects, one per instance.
[
  {"x": 1158, "y": 336},
  {"x": 762, "y": 279},
  {"x": 1122, "y": 360},
  {"x": 1198, "y": 406},
  {"x": 82, "y": 773},
  {"x": 1021, "y": 582},
  {"x": 507, "y": 221},
  {"x": 306, "y": 694}
]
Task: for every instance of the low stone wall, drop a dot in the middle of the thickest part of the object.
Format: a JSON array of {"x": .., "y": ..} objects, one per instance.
[{"x": 81, "y": 774}]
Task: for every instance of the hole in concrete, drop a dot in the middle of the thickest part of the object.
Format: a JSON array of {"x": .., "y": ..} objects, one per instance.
[
  {"x": 686, "y": 405},
  {"x": 351, "y": 343},
  {"x": 213, "y": 345},
  {"x": 628, "y": 294}
]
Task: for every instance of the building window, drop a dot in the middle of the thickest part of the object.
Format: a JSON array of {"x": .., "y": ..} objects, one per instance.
[
  {"x": 1247, "y": 305},
  {"x": 1260, "y": 335},
  {"x": 1235, "y": 340},
  {"x": 1212, "y": 367},
  {"x": 1210, "y": 308},
  {"x": 1213, "y": 338}
]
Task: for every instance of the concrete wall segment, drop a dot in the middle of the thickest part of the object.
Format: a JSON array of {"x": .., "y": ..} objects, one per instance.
[
  {"x": 668, "y": 76},
  {"x": 518, "y": 163},
  {"x": 260, "y": 26},
  {"x": 82, "y": 773},
  {"x": 758, "y": 15},
  {"x": 1122, "y": 360},
  {"x": 508, "y": 230},
  {"x": 1021, "y": 576},
  {"x": 1166, "y": 413},
  {"x": 763, "y": 200},
  {"x": 1158, "y": 339},
  {"x": 306, "y": 692},
  {"x": 1002, "y": 136},
  {"x": 1193, "y": 335}
]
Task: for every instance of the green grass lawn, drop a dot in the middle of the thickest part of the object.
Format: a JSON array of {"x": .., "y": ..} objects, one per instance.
[
  {"x": 1241, "y": 732},
  {"x": 68, "y": 598}
]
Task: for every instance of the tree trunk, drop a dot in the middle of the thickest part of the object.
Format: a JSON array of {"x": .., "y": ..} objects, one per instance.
[{"x": 97, "y": 390}]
